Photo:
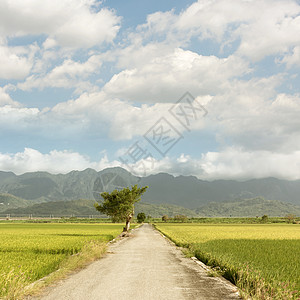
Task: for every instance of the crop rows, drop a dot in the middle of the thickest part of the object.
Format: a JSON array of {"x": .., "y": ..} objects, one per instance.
[
  {"x": 261, "y": 259},
  {"x": 29, "y": 252}
]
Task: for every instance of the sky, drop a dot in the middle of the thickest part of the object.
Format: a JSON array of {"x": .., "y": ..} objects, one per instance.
[{"x": 208, "y": 88}]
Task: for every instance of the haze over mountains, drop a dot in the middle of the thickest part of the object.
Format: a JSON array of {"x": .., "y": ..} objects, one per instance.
[{"x": 40, "y": 192}]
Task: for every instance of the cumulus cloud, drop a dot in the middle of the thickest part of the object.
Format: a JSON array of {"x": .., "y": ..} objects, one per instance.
[
  {"x": 104, "y": 115},
  {"x": 255, "y": 118},
  {"x": 16, "y": 62},
  {"x": 253, "y": 125},
  {"x": 293, "y": 59},
  {"x": 237, "y": 163},
  {"x": 166, "y": 78},
  {"x": 249, "y": 114},
  {"x": 230, "y": 163},
  {"x": 5, "y": 98},
  {"x": 31, "y": 160},
  {"x": 91, "y": 114},
  {"x": 137, "y": 54},
  {"x": 70, "y": 74},
  {"x": 18, "y": 119},
  {"x": 76, "y": 23},
  {"x": 261, "y": 27}
]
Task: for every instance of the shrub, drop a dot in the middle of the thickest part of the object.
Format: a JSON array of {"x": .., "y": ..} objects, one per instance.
[
  {"x": 165, "y": 218},
  {"x": 290, "y": 218},
  {"x": 180, "y": 218},
  {"x": 141, "y": 217}
]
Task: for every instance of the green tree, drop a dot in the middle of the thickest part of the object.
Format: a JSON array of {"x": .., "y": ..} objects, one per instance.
[
  {"x": 141, "y": 217},
  {"x": 165, "y": 218},
  {"x": 264, "y": 219},
  {"x": 119, "y": 205},
  {"x": 290, "y": 218},
  {"x": 180, "y": 218}
]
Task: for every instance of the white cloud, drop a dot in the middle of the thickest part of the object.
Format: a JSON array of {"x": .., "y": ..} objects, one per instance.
[
  {"x": 91, "y": 114},
  {"x": 49, "y": 43},
  {"x": 211, "y": 19},
  {"x": 293, "y": 59},
  {"x": 16, "y": 62},
  {"x": 274, "y": 30},
  {"x": 18, "y": 118},
  {"x": 85, "y": 28},
  {"x": 70, "y": 74},
  {"x": 71, "y": 23},
  {"x": 166, "y": 78},
  {"x": 5, "y": 99},
  {"x": 46, "y": 61},
  {"x": 158, "y": 22},
  {"x": 54, "y": 162},
  {"x": 231, "y": 163},
  {"x": 136, "y": 54},
  {"x": 261, "y": 27},
  {"x": 236, "y": 163},
  {"x": 255, "y": 118},
  {"x": 105, "y": 115},
  {"x": 248, "y": 114}
]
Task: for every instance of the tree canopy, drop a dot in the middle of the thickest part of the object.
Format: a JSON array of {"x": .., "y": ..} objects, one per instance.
[
  {"x": 141, "y": 217},
  {"x": 119, "y": 205}
]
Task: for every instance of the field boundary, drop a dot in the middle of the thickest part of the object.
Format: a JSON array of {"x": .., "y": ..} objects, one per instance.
[
  {"x": 72, "y": 265},
  {"x": 250, "y": 282},
  {"x": 188, "y": 253}
]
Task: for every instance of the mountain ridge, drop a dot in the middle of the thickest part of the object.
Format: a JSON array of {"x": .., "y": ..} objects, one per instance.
[
  {"x": 185, "y": 191},
  {"x": 255, "y": 207}
]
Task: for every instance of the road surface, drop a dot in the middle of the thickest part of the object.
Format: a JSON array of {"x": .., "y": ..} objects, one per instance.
[{"x": 143, "y": 266}]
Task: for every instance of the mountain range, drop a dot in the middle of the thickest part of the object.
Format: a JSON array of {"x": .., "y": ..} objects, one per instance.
[{"x": 166, "y": 194}]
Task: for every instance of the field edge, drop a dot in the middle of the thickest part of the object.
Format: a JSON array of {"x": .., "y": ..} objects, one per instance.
[
  {"x": 90, "y": 252},
  {"x": 248, "y": 282}
]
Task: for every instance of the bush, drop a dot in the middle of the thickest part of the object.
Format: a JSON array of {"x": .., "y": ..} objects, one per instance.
[
  {"x": 290, "y": 218},
  {"x": 165, "y": 218},
  {"x": 180, "y": 218},
  {"x": 141, "y": 217}
]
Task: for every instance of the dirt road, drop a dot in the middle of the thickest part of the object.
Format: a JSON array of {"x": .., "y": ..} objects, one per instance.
[{"x": 144, "y": 266}]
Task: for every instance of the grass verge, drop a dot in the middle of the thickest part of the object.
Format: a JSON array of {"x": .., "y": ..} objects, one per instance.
[
  {"x": 15, "y": 281},
  {"x": 250, "y": 281}
]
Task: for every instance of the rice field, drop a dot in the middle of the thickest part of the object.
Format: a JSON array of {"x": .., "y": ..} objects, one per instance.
[
  {"x": 29, "y": 251},
  {"x": 262, "y": 259}
]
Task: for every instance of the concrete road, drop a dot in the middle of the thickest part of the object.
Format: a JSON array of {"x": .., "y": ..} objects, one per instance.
[{"x": 143, "y": 266}]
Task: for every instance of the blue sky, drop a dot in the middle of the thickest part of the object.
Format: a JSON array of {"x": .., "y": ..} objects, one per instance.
[{"x": 93, "y": 84}]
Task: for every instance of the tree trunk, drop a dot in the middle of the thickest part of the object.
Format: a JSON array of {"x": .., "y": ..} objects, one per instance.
[{"x": 128, "y": 220}]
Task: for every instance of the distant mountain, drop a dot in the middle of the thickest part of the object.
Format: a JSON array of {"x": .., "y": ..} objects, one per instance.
[
  {"x": 79, "y": 207},
  {"x": 5, "y": 175},
  {"x": 248, "y": 208},
  {"x": 36, "y": 185},
  {"x": 86, "y": 208},
  {"x": 158, "y": 210},
  {"x": 8, "y": 201},
  {"x": 87, "y": 184},
  {"x": 191, "y": 192},
  {"x": 111, "y": 179},
  {"x": 245, "y": 208},
  {"x": 184, "y": 191}
]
